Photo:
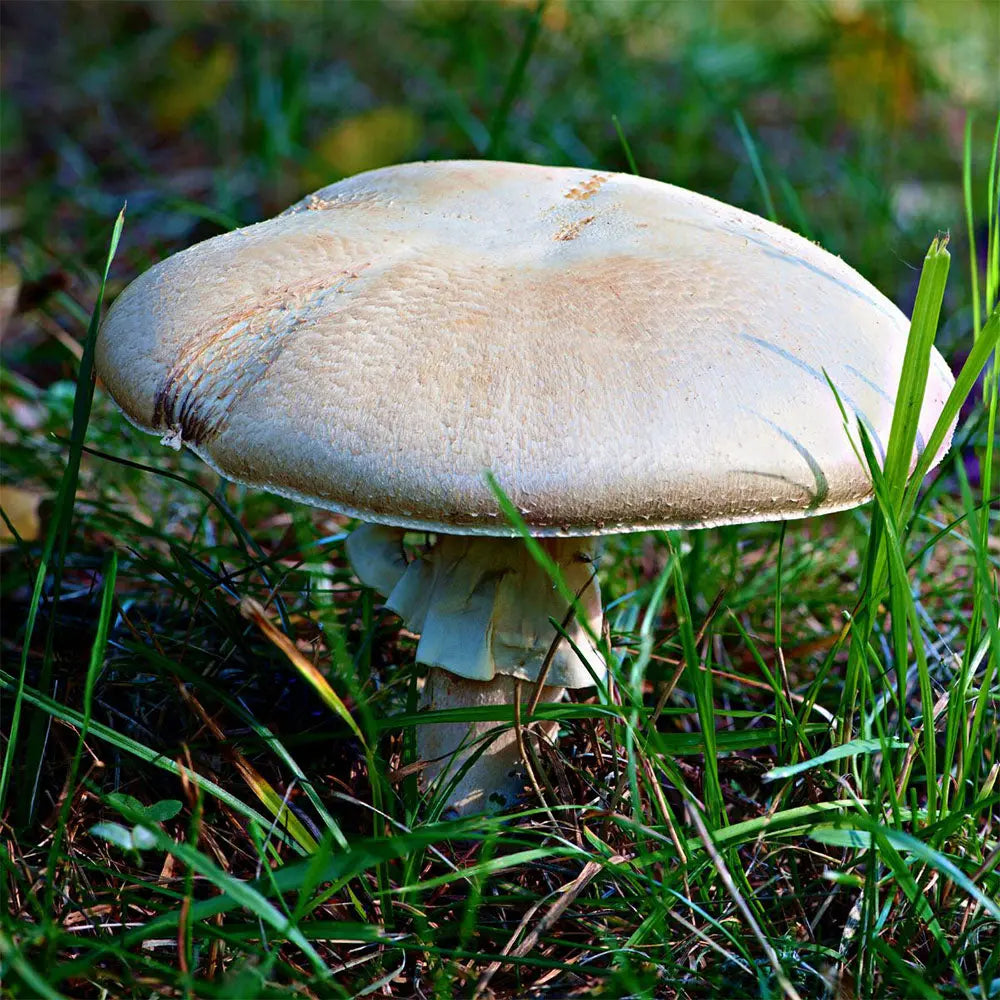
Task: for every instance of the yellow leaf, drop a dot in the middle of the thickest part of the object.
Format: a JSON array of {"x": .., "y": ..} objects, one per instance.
[
  {"x": 276, "y": 806},
  {"x": 194, "y": 81},
  {"x": 372, "y": 139},
  {"x": 555, "y": 17},
  {"x": 874, "y": 71},
  {"x": 10, "y": 289},
  {"x": 21, "y": 508}
]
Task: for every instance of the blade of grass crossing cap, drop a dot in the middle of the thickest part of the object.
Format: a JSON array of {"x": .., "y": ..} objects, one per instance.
[
  {"x": 984, "y": 346},
  {"x": 916, "y": 364}
]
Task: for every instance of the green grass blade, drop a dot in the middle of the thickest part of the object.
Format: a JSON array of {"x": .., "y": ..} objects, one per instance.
[
  {"x": 364, "y": 855},
  {"x": 56, "y": 541},
  {"x": 111, "y": 736},
  {"x": 982, "y": 349},
  {"x": 97, "y": 652},
  {"x": 547, "y": 563},
  {"x": 515, "y": 81},
  {"x": 700, "y": 683},
  {"x": 35, "y": 981},
  {"x": 863, "y": 830},
  {"x": 916, "y": 365},
  {"x": 626, "y": 147},
  {"x": 993, "y": 222},
  {"x": 851, "y": 749},
  {"x": 234, "y": 890},
  {"x": 758, "y": 169},
  {"x": 970, "y": 222}
]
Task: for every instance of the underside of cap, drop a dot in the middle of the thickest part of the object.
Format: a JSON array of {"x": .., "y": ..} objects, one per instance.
[
  {"x": 483, "y": 607},
  {"x": 621, "y": 354}
]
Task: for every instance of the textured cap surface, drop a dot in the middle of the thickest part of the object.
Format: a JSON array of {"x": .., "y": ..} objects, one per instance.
[{"x": 620, "y": 353}]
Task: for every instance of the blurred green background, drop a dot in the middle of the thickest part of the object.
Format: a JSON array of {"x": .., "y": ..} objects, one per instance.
[
  {"x": 844, "y": 120},
  {"x": 208, "y": 115}
]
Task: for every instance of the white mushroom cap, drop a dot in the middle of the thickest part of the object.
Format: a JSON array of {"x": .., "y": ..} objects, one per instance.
[{"x": 621, "y": 353}]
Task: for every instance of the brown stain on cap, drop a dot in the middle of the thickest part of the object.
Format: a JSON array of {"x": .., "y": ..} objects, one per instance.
[
  {"x": 216, "y": 366},
  {"x": 587, "y": 189},
  {"x": 570, "y": 230}
]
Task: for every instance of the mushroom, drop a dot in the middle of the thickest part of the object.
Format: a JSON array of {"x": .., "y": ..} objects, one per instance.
[{"x": 620, "y": 353}]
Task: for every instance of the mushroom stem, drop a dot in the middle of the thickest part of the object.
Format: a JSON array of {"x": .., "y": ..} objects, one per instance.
[
  {"x": 484, "y": 610},
  {"x": 497, "y": 776}
]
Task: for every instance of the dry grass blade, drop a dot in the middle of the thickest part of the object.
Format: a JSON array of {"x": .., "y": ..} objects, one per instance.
[
  {"x": 252, "y": 610},
  {"x": 727, "y": 880},
  {"x": 523, "y": 750},
  {"x": 257, "y": 783},
  {"x": 567, "y": 894},
  {"x": 543, "y": 670}
]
